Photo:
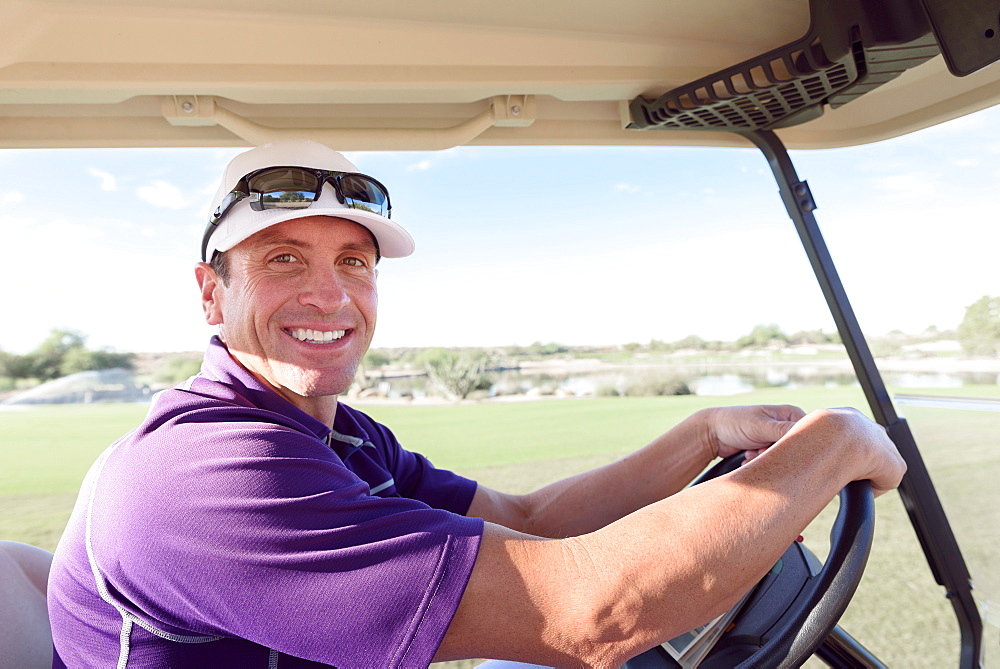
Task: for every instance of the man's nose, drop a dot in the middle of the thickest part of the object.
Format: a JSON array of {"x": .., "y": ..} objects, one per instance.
[{"x": 324, "y": 290}]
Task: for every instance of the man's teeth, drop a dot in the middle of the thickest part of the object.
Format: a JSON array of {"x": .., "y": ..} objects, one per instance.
[{"x": 316, "y": 336}]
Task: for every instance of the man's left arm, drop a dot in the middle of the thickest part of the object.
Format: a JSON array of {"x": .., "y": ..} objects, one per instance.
[{"x": 589, "y": 501}]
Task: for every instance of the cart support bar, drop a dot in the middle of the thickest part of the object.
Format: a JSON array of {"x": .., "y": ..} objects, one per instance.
[{"x": 916, "y": 490}]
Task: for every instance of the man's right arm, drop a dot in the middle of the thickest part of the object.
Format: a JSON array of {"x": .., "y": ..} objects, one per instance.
[{"x": 603, "y": 597}]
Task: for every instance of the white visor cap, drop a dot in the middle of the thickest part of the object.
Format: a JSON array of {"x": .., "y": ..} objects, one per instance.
[{"x": 241, "y": 220}]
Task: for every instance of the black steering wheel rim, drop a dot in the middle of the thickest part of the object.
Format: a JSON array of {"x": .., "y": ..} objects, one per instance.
[{"x": 816, "y": 613}]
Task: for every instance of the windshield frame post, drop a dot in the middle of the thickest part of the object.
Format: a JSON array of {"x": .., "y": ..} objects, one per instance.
[{"x": 920, "y": 499}]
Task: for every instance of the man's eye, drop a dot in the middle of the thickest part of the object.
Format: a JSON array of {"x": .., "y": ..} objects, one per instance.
[
  {"x": 354, "y": 262},
  {"x": 284, "y": 258}
]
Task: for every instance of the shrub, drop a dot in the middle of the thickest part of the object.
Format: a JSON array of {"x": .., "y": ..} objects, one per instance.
[
  {"x": 175, "y": 369},
  {"x": 457, "y": 373}
]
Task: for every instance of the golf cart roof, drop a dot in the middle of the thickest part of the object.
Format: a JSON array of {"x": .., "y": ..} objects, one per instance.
[{"x": 399, "y": 74}]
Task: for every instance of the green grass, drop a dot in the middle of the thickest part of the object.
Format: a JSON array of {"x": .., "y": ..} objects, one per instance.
[
  {"x": 47, "y": 449},
  {"x": 494, "y": 434},
  {"x": 899, "y": 612},
  {"x": 44, "y": 454}
]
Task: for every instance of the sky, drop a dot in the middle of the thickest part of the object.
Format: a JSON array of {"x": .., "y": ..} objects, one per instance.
[{"x": 576, "y": 245}]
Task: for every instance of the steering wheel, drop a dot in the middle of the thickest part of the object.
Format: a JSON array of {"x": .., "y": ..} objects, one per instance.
[{"x": 786, "y": 617}]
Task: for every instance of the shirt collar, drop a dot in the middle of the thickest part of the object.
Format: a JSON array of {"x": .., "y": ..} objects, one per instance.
[{"x": 219, "y": 365}]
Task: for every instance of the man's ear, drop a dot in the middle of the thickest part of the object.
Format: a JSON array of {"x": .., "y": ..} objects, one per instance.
[{"x": 211, "y": 292}]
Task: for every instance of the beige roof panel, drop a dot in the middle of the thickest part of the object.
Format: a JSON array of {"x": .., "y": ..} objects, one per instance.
[{"x": 409, "y": 75}]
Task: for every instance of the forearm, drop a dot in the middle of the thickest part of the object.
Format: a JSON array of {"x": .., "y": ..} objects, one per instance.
[
  {"x": 692, "y": 556},
  {"x": 591, "y": 500},
  {"x": 601, "y": 597}
]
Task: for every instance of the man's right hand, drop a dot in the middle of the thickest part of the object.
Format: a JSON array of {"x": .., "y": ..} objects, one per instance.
[{"x": 875, "y": 456}]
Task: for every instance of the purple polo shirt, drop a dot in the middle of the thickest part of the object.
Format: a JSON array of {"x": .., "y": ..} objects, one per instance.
[{"x": 231, "y": 529}]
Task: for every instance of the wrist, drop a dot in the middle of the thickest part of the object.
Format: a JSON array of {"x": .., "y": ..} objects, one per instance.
[
  {"x": 705, "y": 436},
  {"x": 840, "y": 434}
]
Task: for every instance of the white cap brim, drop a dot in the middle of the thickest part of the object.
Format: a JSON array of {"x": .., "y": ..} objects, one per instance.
[{"x": 241, "y": 221}]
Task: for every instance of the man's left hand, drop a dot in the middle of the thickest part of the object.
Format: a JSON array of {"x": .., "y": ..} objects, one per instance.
[{"x": 749, "y": 428}]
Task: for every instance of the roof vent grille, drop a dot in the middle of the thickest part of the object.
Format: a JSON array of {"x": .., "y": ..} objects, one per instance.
[{"x": 849, "y": 50}]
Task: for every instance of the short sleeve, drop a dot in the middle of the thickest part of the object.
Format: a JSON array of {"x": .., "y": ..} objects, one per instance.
[{"x": 267, "y": 536}]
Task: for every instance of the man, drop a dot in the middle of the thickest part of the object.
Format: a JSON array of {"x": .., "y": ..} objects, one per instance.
[{"x": 253, "y": 520}]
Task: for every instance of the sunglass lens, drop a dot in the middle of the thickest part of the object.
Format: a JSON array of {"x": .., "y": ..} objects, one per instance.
[
  {"x": 362, "y": 193},
  {"x": 284, "y": 188}
]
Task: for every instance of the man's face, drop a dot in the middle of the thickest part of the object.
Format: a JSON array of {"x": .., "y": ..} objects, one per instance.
[{"x": 299, "y": 310}]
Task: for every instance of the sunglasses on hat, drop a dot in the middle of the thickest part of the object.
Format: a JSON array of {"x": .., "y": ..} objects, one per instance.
[{"x": 299, "y": 188}]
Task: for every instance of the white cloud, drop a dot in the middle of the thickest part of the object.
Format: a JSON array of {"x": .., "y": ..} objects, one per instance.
[
  {"x": 421, "y": 166},
  {"x": 626, "y": 188},
  {"x": 12, "y": 197},
  {"x": 108, "y": 181},
  {"x": 203, "y": 199},
  {"x": 906, "y": 186},
  {"x": 162, "y": 194}
]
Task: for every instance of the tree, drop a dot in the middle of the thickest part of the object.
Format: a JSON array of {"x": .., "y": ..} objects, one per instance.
[
  {"x": 814, "y": 337},
  {"x": 552, "y": 348},
  {"x": 63, "y": 352},
  {"x": 979, "y": 331},
  {"x": 762, "y": 336},
  {"x": 15, "y": 366},
  {"x": 363, "y": 375},
  {"x": 82, "y": 360},
  {"x": 176, "y": 368},
  {"x": 47, "y": 359},
  {"x": 375, "y": 358},
  {"x": 657, "y": 345},
  {"x": 457, "y": 373},
  {"x": 690, "y": 342}
]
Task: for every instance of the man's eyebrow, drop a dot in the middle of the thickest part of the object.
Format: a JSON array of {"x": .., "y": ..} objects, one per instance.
[
  {"x": 279, "y": 239},
  {"x": 267, "y": 238},
  {"x": 365, "y": 247}
]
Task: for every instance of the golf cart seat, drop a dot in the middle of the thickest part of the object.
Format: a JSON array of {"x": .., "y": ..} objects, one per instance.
[{"x": 25, "y": 636}]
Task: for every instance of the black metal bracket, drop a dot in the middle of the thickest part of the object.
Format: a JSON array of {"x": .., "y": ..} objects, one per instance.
[
  {"x": 851, "y": 48},
  {"x": 917, "y": 491}
]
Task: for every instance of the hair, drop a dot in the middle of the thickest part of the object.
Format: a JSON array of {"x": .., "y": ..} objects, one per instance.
[{"x": 220, "y": 263}]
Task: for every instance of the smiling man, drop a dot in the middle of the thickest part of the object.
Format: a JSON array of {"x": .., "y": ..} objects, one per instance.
[
  {"x": 297, "y": 308},
  {"x": 254, "y": 520},
  {"x": 251, "y": 519}
]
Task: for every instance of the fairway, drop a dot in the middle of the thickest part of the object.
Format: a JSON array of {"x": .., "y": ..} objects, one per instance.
[{"x": 899, "y": 612}]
